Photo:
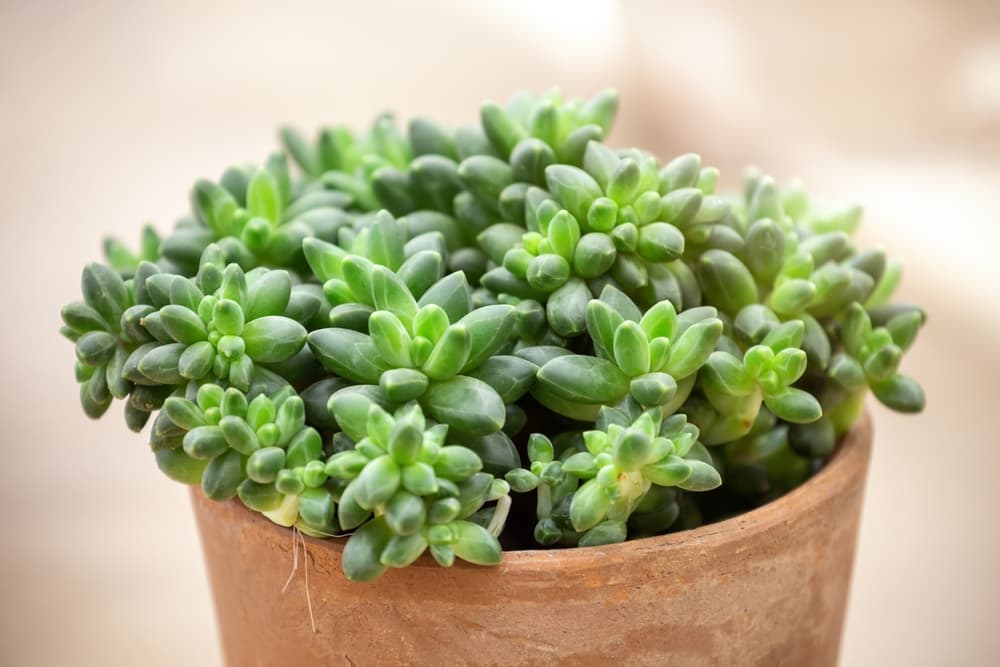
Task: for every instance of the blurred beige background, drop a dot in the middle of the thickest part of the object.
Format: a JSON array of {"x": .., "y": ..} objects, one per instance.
[{"x": 109, "y": 111}]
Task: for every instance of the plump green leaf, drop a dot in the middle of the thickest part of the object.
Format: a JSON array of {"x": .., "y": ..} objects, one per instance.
[
  {"x": 466, "y": 404},
  {"x": 485, "y": 176},
  {"x": 350, "y": 407},
  {"x": 573, "y": 187},
  {"x": 584, "y": 379},
  {"x": 497, "y": 239},
  {"x": 815, "y": 440},
  {"x": 904, "y": 327},
  {"x": 95, "y": 348},
  {"x": 386, "y": 238},
  {"x": 362, "y": 553},
  {"x": 631, "y": 349},
  {"x": 510, "y": 376},
  {"x": 669, "y": 471},
  {"x": 496, "y": 452},
  {"x": 660, "y": 242},
  {"x": 490, "y": 328},
  {"x": 269, "y": 294},
  {"x": 264, "y": 464},
  {"x": 792, "y": 296},
  {"x": 105, "y": 292},
  {"x": 900, "y": 393},
  {"x": 239, "y": 435},
  {"x": 449, "y": 355},
  {"x": 765, "y": 250},
  {"x": 390, "y": 293},
  {"x": 724, "y": 375},
  {"x": 82, "y": 318},
  {"x": 183, "y": 324},
  {"x": 391, "y": 339},
  {"x": 377, "y": 482},
  {"x": 205, "y": 442},
  {"x": 606, "y": 532},
  {"x": 794, "y": 405},
  {"x": 223, "y": 475},
  {"x": 703, "y": 477},
  {"x": 403, "y": 384},
  {"x": 317, "y": 508},
  {"x": 451, "y": 293},
  {"x": 660, "y": 321},
  {"x": 428, "y": 138},
  {"x": 589, "y": 506},
  {"x": 273, "y": 338},
  {"x": 402, "y": 551},
  {"x": 529, "y": 159},
  {"x": 422, "y": 269},
  {"x": 357, "y": 274},
  {"x": 264, "y": 197},
  {"x": 457, "y": 463},
  {"x": 160, "y": 364},
  {"x": 347, "y": 353},
  {"x": 693, "y": 347},
  {"x": 727, "y": 282},
  {"x": 324, "y": 258},
  {"x": 405, "y": 513},
  {"x": 475, "y": 544},
  {"x": 180, "y": 467},
  {"x": 653, "y": 388},
  {"x": 547, "y": 272},
  {"x": 502, "y": 130},
  {"x": 567, "y": 308},
  {"x": 785, "y": 335}
]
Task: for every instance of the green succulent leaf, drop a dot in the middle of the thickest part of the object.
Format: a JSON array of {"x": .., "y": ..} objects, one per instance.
[
  {"x": 693, "y": 348},
  {"x": 727, "y": 283},
  {"x": 362, "y": 553},
  {"x": 567, "y": 308},
  {"x": 452, "y": 294},
  {"x": 450, "y": 354},
  {"x": 631, "y": 349},
  {"x": 475, "y": 544},
  {"x": 573, "y": 187},
  {"x": 900, "y": 393},
  {"x": 273, "y": 338},
  {"x": 510, "y": 376},
  {"x": 390, "y": 338},
  {"x": 794, "y": 405},
  {"x": 347, "y": 353},
  {"x": 703, "y": 477},
  {"x": 466, "y": 404},
  {"x": 584, "y": 379}
]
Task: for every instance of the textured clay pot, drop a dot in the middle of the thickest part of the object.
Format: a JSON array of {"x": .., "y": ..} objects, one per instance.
[{"x": 768, "y": 587}]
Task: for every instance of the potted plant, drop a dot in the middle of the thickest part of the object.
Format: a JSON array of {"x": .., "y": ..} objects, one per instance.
[{"x": 420, "y": 349}]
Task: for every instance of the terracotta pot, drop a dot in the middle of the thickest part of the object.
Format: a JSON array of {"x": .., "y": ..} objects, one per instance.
[{"x": 768, "y": 587}]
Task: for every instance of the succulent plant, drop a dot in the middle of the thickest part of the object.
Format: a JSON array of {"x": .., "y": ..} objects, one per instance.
[
  {"x": 219, "y": 326},
  {"x": 371, "y": 345},
  {"x": 106, "y": 333},
  {"x": 421, "y": 492},
  {"x": 600, "y": 487}
]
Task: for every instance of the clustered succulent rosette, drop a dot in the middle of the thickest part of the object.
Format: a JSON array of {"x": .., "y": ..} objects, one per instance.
[{"x": 402, "y": 338}]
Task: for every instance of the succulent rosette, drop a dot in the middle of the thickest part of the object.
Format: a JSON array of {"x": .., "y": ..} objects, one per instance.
[{"x": 412, "y": 334}]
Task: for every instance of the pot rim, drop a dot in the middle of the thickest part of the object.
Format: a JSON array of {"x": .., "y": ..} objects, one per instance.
[{"x": 848, "y": 463}]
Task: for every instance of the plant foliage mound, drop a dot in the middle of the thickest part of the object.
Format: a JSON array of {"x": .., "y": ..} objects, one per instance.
[{"x": 396, "y": 336}]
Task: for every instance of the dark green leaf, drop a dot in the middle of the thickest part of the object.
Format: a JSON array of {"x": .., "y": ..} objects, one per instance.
[
  {"x": 347, "y": 353},
  {"x": 466, "y": 404},
  {"x": 584, "y": 379}
]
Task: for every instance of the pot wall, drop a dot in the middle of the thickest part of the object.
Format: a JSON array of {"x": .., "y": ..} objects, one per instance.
[{"x": 768, "y": 587}]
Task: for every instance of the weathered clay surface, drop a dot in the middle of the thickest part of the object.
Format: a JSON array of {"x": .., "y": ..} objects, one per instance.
[{"x": 766, "y": 588}]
